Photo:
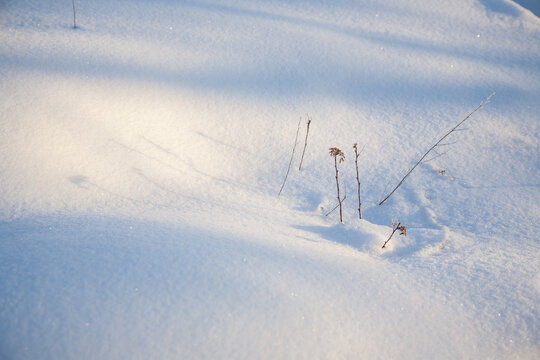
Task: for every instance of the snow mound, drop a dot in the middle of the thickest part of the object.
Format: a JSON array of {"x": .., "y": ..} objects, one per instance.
[{"x": 141, "y": 156}]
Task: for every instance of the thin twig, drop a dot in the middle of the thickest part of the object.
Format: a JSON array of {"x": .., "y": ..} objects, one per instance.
[
  {"x": 335, "y": 152},
  {"x": 305, "y": 142},
  {"x": 448, "y": 144},
  {"x": 396, "y": 227},
  {"x": 342, "y": 200},
  {"x": 74, "y": 16},
  {"x": 436, "y": 144},
  {"x": 334, "y": 209},
  {"x": 435, "y": 157},
  {"x": 338, "y": 197},
  {"x": 292, "y": 156},
  {"x": 357, "y": 154}
]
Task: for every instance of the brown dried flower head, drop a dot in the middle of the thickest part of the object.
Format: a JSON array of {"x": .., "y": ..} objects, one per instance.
[
  {"x": 402, "y": 230},
  {"x": 396, "y": 225},
  {"x": 335, "y": 152}
]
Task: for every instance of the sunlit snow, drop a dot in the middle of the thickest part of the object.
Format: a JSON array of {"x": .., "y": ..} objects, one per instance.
[{"x": 141, "y": 155}]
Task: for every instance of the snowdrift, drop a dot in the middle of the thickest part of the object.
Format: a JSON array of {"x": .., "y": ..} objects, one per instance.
[{"x": 142, "y": 152}]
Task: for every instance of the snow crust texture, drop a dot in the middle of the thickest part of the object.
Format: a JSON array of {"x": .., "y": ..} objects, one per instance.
[{"x": 142, "y": 152}]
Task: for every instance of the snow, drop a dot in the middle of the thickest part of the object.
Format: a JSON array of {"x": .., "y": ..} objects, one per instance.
[{"x": 141, "y": 155}]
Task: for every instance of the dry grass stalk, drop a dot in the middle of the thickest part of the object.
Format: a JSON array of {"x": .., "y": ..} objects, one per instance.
[
  {"x": 357, "y": 154},
  {"x": 438, "y": 143},
  {"x": 335, "y": 153},
  {"x": 74, "y": 15},
  {"x": 292, "y": 156},
  {"x": 305, "y": 142},
  {"x": 342, "y": 200}
]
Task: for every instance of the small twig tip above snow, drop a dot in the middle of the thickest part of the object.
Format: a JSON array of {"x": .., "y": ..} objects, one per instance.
[
  {"x": 305, "y": 141},
  {"x": 396, "y": 225}
]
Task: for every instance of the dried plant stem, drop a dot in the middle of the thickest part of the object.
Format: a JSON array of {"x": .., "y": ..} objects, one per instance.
[
  {"x": 335, "y": 152},
  {"x": 357, "y": 154},
  {"x": 395, "y": 228},
  {"x": 437, "y": 144},
  {"x": 305, "y": 142},
  {"x": 292, "y": 156},
  {"x": 74, "y": 15},
  {"x": 338, "y": 196},
  {"x": 396, "y": 225},
  {"x": 335, "y": 207}
]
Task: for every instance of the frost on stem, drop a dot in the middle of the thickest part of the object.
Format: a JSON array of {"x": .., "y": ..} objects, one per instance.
[
  {"x": 396, "y": 225},
  {"x": 335, "y": 153}
]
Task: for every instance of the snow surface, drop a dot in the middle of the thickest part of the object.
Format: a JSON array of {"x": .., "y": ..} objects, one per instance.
[{"x": 141, "y": 155}]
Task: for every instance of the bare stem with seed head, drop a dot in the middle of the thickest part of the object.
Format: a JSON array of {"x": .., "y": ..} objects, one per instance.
[
  {"x": 396, "y": 225},
  {"x": 335, "y": 153}
]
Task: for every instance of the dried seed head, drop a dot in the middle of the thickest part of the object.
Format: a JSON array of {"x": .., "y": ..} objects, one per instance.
[
  {"x": 402, "y": 230},
  {"x": 335, "y": 152}
]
